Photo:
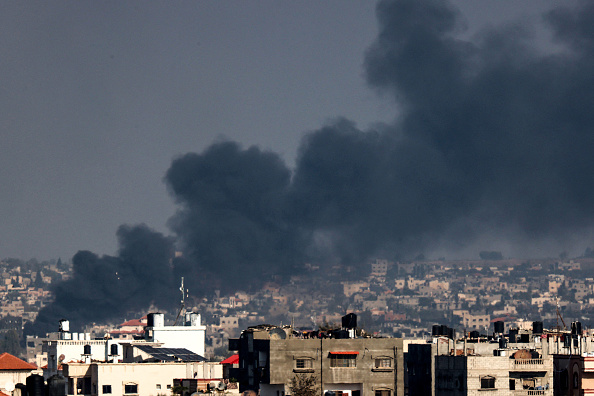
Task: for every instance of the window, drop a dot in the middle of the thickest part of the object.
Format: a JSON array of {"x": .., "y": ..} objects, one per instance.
[
  {"x": 383, "y": 363},
  {"x": 130, "y": 388},
  {"x": 303, "y": 363},
  {"x": 106, "y": 389},
  {"x": 158, "y": 386},
  {"x": 169, "y": 386},
  {"x": 382, "y": 392},
  {"x": 487, "y": 382},
  {"x": 343, "y": 360}
]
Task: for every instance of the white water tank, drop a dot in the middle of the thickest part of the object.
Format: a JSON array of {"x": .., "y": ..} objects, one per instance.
[
  {"x": 64, "y": 325},
  {"x": 156, "y": 319}
]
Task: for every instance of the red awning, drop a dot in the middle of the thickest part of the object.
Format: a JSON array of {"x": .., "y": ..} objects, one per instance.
[
  {"x": 344, "y": 353},
  {"x": 234, "y": 359}
]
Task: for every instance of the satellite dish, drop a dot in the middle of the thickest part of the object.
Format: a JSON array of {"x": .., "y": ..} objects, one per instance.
[
  {"x": 9, "y": 386},
  {"x": 277, "y": 334}
]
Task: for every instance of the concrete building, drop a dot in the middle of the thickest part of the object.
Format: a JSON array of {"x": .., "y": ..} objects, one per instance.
[
  {"x": 270, "y": 357},
  {"x": 69, "y": 347},
  {"x": 147, "y": 379},
  {"x": 191, "y": 335}
]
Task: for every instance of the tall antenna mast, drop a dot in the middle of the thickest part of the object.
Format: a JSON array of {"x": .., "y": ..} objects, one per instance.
[
  {"x": 183, "y": 301},
  {"x": 560, "y": 317}
]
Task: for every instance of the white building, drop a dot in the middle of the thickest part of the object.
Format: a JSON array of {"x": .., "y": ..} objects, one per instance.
[
  {"x": 190, "y": 336},
  {"x": 78, "y": 347}
]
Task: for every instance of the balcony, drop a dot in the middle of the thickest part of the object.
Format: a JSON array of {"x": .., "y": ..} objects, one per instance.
[
  {"x": 523, "y": 364},
  {"x": 535, "y": 392}
]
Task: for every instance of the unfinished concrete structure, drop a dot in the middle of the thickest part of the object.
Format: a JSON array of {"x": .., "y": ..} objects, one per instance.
[{"x": 270, "y": 357}]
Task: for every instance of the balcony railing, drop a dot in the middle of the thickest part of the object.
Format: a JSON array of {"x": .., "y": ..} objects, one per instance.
[
  {"x": 527, "y": 363},
  {"x": 535, "y": 392}
]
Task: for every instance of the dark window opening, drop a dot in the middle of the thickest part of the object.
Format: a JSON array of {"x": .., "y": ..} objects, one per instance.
[{"x": 488, "y": 382}]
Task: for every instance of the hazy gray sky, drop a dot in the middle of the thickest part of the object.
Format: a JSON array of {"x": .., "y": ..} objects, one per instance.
[{"x": 98, "y": 97}]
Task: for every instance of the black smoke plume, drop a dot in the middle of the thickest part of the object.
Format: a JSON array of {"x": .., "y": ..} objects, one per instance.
[
  {"x": 492, "y": 147},
  {"x": 108, "y": 287},
  {"x": 492, "y": 150}
]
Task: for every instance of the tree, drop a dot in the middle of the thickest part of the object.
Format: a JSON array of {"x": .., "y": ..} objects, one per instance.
[{"x": 304, "y": 385}]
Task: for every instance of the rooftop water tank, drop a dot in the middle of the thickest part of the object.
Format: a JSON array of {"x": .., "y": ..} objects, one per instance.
[
  {"x": 64, "y": 325},
  {"x": 156, "y": 319}
]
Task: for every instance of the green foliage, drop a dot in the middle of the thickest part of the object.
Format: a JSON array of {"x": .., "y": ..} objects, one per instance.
[
  {"x": 179, "y": 390},
  {"x": 304, "y": 385}
]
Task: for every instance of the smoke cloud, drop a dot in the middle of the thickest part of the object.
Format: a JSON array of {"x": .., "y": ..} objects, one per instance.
[
  {"x": 492, "y": 146},
  {"x": 108, "y": 287},
  {"x": 492, "y": 150}
]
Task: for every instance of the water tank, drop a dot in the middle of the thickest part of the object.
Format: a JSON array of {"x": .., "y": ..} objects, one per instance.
[
  {"x": 451, "y": 333},
  {"x": 502, "y": 343},
  {"x": 35, "y": 385},
  {"x": 537, "y": 327},
  {"x": 576, "y": 328},
  {"x": 474, "y": 334},
  {"x": 87, "y": 349},
  {"x": 435, "y": 330},
  {"x": 113, "y": 349},
  {"x": 513, "y": 333},
  {"x": 56, "y": 385},
  {"x": 156, "y": 319},
  {"x": 499, "y": 327},
  {"x": 64, "y": 325},
  {"x": 192, "y": 319},
  {"x": 349, "y": 321}
]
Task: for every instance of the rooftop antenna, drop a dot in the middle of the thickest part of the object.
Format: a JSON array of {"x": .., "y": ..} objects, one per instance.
[
  {"x": 560, "y": 317},
  {"x": 184, "y": 294}
]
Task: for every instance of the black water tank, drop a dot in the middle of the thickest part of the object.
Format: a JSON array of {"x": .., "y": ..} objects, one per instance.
[
  {"x": 349, "y": 321},
  {"x": 513, "y": 333},
  {"x": 502, "y": 343},
  {"x": 150, "y": 320},
  {"x": 56, "y": 385},
  {"x": 435, "y": 330},
  {"x": 474, "y": 334},
  {"x": 499, "y": 327},
  {"x": 576, "y": 328},
  {"x": 114, "y": 349},
  {"x": 86, "y": 349},
  {"x": 525, "y": 337},
  {"x": 35, "y": 385},
  {"x": 451, "y": 333},
  {"x": 537, "y": 327}
]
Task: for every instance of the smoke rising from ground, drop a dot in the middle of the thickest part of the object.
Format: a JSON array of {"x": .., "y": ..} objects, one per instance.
[
  {"x": 492, "y": 150},
  {"x": 493, "y": 146},
  {"x": 108, "y": 287}
]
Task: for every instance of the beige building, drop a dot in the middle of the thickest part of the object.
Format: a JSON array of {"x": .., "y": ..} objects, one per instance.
[{"x": 126, "y": 379}]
